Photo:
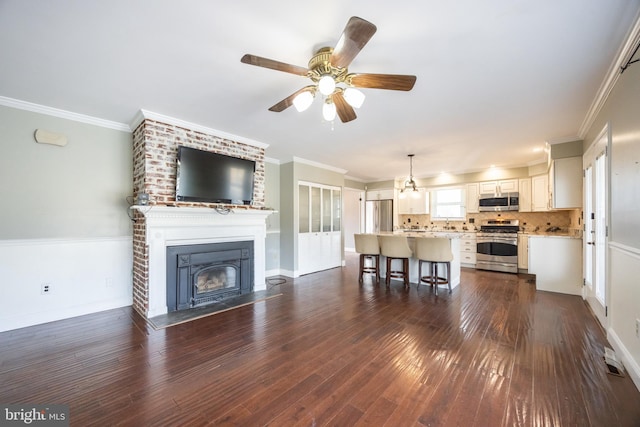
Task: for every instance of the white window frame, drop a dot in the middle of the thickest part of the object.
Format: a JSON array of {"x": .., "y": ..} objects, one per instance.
[{"x": 461, "y": 203}]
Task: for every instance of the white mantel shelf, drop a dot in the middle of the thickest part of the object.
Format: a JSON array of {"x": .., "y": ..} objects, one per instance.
[
  {"x": 174, "y": 226},
  {"x": 207, "y": 214}
]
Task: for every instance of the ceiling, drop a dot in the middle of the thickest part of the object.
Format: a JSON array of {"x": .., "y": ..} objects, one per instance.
[{"x": 495, "y": 79}]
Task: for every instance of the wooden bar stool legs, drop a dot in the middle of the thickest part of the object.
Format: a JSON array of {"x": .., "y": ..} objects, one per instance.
[
  {"x": 396, "y": 247},
  {"x": 433, "y": 278},
  {"x": 398, "y": 274},
  {"x": 434, "y": 251},
  {"x": 373, "y": 268},
  {"x": 369, "y": 249}
]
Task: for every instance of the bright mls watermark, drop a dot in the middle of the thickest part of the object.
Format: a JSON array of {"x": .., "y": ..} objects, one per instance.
[{"x": 34, "y": 415}]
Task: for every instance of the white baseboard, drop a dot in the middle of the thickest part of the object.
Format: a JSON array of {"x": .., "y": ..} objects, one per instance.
[
  {"x": 32, "y": 319},
  {"x": 623, "y": 354}
]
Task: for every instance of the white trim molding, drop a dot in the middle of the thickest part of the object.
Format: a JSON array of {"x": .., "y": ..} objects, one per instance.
[
  {"x": 319, "y": 165},
  {"x": 63, "y": 114},
  {"x": 622, "y": 57}
]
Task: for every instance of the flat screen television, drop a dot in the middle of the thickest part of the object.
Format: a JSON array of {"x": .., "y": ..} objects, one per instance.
[{"x": 203, "y": 176}]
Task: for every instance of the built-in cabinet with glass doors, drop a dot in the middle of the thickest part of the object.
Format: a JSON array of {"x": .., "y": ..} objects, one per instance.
[{"x": 319, "y": 227}]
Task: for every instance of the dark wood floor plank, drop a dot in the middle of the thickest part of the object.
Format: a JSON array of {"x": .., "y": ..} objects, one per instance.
[{"x": 333, "y": 351}]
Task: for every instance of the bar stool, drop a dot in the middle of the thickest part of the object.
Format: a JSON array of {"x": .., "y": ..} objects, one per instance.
[
  {"x": 396, "y": 248},
  {"x": 369, "y": 249},
  {"x": 434, "y": 250}
]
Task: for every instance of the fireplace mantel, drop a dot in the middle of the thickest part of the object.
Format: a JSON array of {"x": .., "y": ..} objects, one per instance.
[{"x": 174, "y": 226}]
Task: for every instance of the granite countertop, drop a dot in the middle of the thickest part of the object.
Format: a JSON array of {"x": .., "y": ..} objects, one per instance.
[
  {"x": 421, "y": 232},
  {"x": 566, "y": 235},
  {"x": 453, "y": 234}
]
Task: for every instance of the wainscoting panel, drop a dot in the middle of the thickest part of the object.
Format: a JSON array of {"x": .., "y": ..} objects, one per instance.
[
  {"x": 82, "y": 275},
  {"x": 624, "y": 306}
]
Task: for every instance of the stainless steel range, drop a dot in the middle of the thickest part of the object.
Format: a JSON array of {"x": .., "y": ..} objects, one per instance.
[{"x": 497, "y": 245}]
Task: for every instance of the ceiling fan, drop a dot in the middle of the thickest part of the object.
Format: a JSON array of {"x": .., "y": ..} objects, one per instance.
[{"x": 328, "y": 71}]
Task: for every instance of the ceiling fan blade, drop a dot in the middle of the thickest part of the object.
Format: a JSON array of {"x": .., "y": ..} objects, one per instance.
[
  {"x": 288, "y": 101},
  {"x": 355, "y": 35},
  {"x": 381, "y": 81},
  {"x": 344, "y": 110},
  {"x": 274, "y": 65}
]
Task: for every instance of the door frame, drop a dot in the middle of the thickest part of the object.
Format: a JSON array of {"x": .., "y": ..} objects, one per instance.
[{"x": 600, "y": 146}]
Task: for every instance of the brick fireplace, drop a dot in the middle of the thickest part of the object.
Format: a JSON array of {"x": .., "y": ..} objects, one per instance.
[{"x": 166, "y": 223}]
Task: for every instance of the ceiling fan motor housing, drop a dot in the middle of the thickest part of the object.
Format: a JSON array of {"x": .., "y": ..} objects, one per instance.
[{"x": 320, "y": 65}]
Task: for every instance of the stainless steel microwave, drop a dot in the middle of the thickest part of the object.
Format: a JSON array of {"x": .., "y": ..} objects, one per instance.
[{"x": 498, "y": 203}]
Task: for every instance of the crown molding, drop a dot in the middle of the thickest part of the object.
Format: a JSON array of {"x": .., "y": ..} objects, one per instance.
[
  {"x": 622, "y": 57},
  {"x": 63, "y": 114},
  {"x": 562, "y": 140},
  {"x": 319, "y": 165},
  {"x": 353, "y": 178},
  {"x": 272, "y": 160},
  {"x": 145, "y": 114}
]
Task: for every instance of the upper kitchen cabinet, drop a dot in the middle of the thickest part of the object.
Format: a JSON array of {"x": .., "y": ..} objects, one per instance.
[
  {"x": 540, "y": 193},
  {"x": 565, "y": 183},
  {"x": 382, "y": 194},
  {"x": 473, "y": 193},
  {"x": 413, "y": 202},
  {"x": 524, "y": 190},
  {"x": 499, "y": 187}
]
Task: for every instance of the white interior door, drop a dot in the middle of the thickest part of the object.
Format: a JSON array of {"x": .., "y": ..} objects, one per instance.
[{"x": 596, "y": 208}]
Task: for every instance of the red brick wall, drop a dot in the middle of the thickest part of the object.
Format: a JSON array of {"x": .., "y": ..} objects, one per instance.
[{"x": 155, "y": 149}]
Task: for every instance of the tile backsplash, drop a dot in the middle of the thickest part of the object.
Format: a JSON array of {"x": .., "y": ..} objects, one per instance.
[{"x": 566, "y": 220}]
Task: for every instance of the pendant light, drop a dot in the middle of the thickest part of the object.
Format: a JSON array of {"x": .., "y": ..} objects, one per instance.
[{"x": 410, "y": 183}]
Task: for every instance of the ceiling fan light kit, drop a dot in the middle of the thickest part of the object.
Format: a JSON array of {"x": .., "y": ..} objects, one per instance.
[
  {"x": 329, "y": 110},
  {"x": 354, "y": 97},
  {"x": 303, "y": 101},
  {"x": 328, "y": 71},
  {"x": 326, "y": 85}
]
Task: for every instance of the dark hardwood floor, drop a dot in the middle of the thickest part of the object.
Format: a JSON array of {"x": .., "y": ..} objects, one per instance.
[{"x": 331, "y": 351}]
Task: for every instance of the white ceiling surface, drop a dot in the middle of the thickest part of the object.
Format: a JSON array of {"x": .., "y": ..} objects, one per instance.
[{"x": 495, "y": 79}]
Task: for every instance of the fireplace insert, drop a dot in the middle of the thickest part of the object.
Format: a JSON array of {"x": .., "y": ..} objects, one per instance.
[{"x": 198, "y": 275}]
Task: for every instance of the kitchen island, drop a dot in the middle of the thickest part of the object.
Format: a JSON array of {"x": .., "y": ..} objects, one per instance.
[{"x": 413, "y": 262}]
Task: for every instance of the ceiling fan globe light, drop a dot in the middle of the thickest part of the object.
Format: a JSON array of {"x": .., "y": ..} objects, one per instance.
[
  {"x": 303, "y": 101},
  {"x": 329, "y": 111},
  {"x": 326, "y": 85},
  {"x": 354, "y": 97}
]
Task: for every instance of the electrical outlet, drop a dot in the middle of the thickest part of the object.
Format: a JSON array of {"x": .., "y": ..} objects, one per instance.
[
  {"x": 45, "y": 288},
  {"x": 637, "y": 328},
  {"x": 108, "y": 282}
]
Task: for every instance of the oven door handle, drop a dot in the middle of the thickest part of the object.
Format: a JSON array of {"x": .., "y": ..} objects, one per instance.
[{"x": 496, "y": 240}]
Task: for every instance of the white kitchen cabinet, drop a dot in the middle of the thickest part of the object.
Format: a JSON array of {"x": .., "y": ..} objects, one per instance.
[
  {"x": 556, "y": 262},
  {"x": 524, "y": 190},
  {"x": 499, "y": 187},
  {"x": 565, "y": 183},
  {"x": 540, "y": 193},
  {"x": 413, "y": 202},
  {"x": 473, "y": 193},
  {"x": 523, "y": 251},
  {"x": 319, "y": 227},
  {"x": 468, "y": 248},
  {"x": 382, "y": 194}
]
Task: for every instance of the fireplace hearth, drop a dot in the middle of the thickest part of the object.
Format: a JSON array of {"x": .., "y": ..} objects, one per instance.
[{"x": 202, "y": 274}]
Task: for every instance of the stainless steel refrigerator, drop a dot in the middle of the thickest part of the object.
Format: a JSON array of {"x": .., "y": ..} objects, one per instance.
[{"x": 378, "y": 216}]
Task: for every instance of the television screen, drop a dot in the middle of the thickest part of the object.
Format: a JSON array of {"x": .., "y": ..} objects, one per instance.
[{"x": 203, "y": 176}]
